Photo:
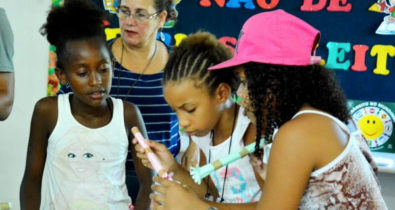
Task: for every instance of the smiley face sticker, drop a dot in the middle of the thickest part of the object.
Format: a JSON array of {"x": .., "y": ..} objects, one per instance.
[
  {"x": 375, "y": 122},
  {"x": 371, "y": 126}
]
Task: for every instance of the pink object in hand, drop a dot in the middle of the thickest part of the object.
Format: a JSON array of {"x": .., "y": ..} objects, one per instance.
[{"x": 150, "y": 155}]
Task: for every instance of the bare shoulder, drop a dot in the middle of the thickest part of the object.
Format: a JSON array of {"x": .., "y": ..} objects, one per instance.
[
  {"x": 314, "y": 136},
  {"x": 47, "y": 102},
  {"x": 46, "y": 111},
  {"x": 131, "y": 114},
  {"x": 307, "y": 127},
  {"x": 47, "y": 106}
]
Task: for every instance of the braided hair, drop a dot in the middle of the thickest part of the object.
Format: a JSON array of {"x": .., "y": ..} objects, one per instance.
[
  {"x": 277, "y": 93},
  {"x": 74, "y": 21},
  {"x": 193, "y": 56}
]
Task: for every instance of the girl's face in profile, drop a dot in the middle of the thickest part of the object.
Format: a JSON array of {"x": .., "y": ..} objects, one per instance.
[
  {"x": 242, "y": 92},
  {"x": 197, "y": 111}
]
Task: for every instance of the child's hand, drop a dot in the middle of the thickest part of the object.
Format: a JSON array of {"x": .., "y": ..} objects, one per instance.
[
  {"x": 160, "y": 150},
  {"x": 191, "y": 156},
  {"x": 168, "y": 193},
  {"x": 258, "y": 166}
]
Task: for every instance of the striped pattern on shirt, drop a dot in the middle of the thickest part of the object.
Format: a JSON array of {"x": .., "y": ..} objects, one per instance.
[{"x": 147, "y": 93}]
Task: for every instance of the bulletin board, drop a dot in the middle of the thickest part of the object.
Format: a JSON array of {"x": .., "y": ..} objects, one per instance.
[{"x": 357, "y": 43}]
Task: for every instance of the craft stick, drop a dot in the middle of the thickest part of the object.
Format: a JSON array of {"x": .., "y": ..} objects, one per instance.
[
  {"x": 200, "y": 173},
  {"x": 150, "y": 155}
]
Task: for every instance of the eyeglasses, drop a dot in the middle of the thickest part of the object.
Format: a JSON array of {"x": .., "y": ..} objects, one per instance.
[{"x": 141, "y": 17}]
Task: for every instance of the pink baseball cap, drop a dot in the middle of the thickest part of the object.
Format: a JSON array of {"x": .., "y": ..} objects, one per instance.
[{"x": 275, "y": 37}]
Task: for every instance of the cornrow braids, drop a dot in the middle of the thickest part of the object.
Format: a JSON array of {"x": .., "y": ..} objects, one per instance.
[
  {"x": 193, "y": 56},
  {"x": 278, "y": 92},
  {"x": 75, "y": 20}
]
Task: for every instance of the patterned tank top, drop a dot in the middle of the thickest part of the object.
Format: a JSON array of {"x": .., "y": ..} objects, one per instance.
[{"x": 348, "y": 182}]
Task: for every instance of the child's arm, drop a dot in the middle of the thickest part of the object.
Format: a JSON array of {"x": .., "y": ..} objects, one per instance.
[
  {"x": 133, "y": 118},
  {"x": 43, "y": 122}
]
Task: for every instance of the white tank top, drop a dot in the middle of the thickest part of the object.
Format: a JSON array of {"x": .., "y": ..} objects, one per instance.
[
  {"x": 85, "y": 167},
  {"x": 241, "y": 185}
]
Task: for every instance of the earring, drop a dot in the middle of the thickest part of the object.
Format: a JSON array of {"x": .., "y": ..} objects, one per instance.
[
  {"x": 236, "y": 98},
  {"x": 162, "y": 35}
]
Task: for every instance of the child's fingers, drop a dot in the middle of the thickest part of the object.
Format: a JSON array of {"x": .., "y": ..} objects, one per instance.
[
  {"x": 255, "y": 161},
  {"x": 159, "y": 188},
  {"x": 157, "y": 197},
  {"x": 156, "y": 146},
  {"x": 141, "y": 155},
  {"x": 161, "y": 181},
  {"x": 139, "y": 148},
  {"x": 147, "y": 164},
  {"x": 155, "y": 205}
]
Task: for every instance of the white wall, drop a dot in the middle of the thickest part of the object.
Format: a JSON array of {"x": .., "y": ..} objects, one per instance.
[
  {"x": 31, "y": 63},
  {"x": 387, "y": 182},
  {"x": 31, "y": 54}
]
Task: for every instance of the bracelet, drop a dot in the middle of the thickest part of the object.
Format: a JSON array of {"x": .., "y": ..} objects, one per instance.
[{"x": 212, "y": 208}]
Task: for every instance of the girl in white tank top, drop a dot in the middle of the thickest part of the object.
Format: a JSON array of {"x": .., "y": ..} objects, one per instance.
[{"x": 78, "y": 142}]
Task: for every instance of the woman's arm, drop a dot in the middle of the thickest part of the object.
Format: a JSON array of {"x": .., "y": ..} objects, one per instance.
[
  {"x": 133, "y": 118},
  {"x": 42, "y": 124}
]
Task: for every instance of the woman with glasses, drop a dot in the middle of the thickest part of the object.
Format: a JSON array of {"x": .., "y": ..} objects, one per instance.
[{"x": 139, "y": 59}]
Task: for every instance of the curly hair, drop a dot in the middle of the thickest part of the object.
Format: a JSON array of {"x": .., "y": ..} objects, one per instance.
[
  {"x": 278, "y": 92},
  {"x": 75, "y": 20},
  {"x": 193, "y": 56}
]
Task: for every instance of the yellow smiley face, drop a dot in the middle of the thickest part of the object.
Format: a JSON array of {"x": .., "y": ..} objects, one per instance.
[{"x": 371, "y": 126}]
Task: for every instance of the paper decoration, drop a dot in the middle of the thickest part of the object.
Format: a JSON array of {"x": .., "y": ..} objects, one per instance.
[
  {"x": 387, "y": 27},
  {"x": 374, "y": 8},
  {"x": 336, "y": 55},
  {"x": 334, "y": 6},
  {"x": 382, "y": 51},
  {"x": 207, "y": 3},
  {"x": 111, "y": 33},
  {"x": 226, "y": 40},
  {"x": 339, "y": 6},
  {"x": 53, "y": 84},
  {"x": 111, "y": 5},
  {"x": 179, "y": 37},
  {"x": 376, "y": 122},
  {"x": 360, "y": 54},
  {"x": 248, "y": 4},
  {"x": 264, "y": 5}
]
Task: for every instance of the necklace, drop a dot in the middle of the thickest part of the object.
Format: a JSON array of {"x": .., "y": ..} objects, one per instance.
[
  {"x": 140, "y": 75},
  {"x": 208, "y": 196}
]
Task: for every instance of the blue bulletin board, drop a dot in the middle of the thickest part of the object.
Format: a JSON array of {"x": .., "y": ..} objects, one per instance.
[{"x": 357, "y": 42}]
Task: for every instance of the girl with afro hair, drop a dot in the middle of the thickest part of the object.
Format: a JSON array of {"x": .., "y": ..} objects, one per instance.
[{"x": 79, "y": 141}]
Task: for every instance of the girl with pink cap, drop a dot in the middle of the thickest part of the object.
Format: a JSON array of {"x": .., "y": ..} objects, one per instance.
[{"x": 315, "y": 161}]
